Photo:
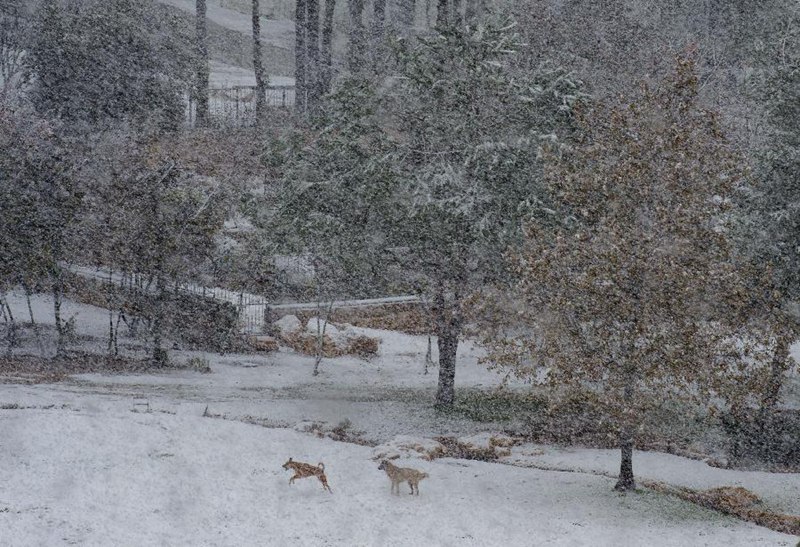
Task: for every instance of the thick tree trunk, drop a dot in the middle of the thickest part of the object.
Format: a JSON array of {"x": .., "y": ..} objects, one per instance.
[
  {"x": 300, "y": 102},
  {"x": 312, "y": 59},
  {"x": 326, "y": 54},
  {"x": 470, "y": 11},
  {"x": 448, "y": 327},
  {"x": 474, "y": 11},
  {"x": 407, "y": 10},
  {"x": 442, "y": 16},
  {"x": 258, "y": 67},
  {"x": 355, "y": 48},
  {"x": 448, "y": 345},
  {"x": 201, "y": 82},
  {"x": 378, "y": 21},
  {"x": 455, "y": 16},
  {"x": 626, "y": 481}
]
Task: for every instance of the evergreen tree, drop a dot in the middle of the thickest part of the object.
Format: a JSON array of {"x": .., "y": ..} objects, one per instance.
[
  {"x": 105, "y": 61},
  {"x": 424, "y": 183},
  {"x": 39, "y": 203},
  {"x": 772, "y": 234}
]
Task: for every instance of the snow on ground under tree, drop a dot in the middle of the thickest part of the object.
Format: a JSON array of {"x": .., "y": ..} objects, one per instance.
[
  {"x": 101, "y": 477},
  {"x": 96, "y": 469}
]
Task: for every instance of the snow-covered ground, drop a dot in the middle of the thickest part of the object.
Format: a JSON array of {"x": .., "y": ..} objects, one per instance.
[
  {"x": 101, "y": 476},
  {"x": 275, "y": 32},
  {"x": 225, "y": 75},
  {"x": 85, "y": 463}
]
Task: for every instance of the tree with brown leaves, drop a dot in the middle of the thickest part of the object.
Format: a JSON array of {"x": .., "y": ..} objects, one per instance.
[{"x": 631, "y": 291}]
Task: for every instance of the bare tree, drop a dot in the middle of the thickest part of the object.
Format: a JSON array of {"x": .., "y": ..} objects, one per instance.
[
  {"x": 442, "y": 16},
  {"x": 356, "y": 42},
  {"x": 201, "y": 81},
  {"x": 258, "y": 67},
  {"x": 378, "y": 21},
  {"x": 312, "y": 53},
  {"x": 300, "y": 80},
  {"x": 12, "y": 27},
  {"x": 326, "y": 63},
  {"x": 407, "y": 10},
  {"x": 456, "y": 13}
]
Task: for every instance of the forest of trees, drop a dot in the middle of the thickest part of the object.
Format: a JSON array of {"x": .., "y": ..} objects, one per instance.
[{"x": 605, "y": 194}]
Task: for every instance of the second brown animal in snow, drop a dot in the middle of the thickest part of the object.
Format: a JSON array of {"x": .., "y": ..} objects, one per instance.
[{"x": 402, "y": 474}]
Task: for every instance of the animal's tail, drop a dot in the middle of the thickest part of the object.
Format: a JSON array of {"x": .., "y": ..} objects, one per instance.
[{"x": 321, "y": 466}]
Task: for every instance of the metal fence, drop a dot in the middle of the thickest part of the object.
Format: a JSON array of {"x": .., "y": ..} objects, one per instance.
[
  {"x": 236, "y": 105},
  {"x": 251, "y": 308}
]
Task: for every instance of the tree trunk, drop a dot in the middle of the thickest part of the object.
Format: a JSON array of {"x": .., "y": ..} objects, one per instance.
[
  {"x": 448, "y": 345},
  {"x": 28, "y": 300},
  {"x": 201, "y": 83},
  {"x": 300, "y": 102},
  {"x": 442, "y": 17},
  {"x": 58, "y": 291},
  {"x": 778, "y": 369},
  {"x": 626, "y": 481},
  {"x": 474, "y": 12},
  {"x": 36, "y": 332},
  {"x": 116, "y": 333},
  {"x": 355, "y": 53},
  {"x": 159, "y": 353},
  {"x": 428, "y": 356},
  {"x": 407, "y": 9},
  {"x": 448, "y": 326},
  {"x": 110, "y": 331},
  {"x": 12, "y": 327},
  {"x": 470, "y": 11},
  {"x": 378, "y": 22},
  {"x": 322, "y": 325},
  {"x": 312, "y": 59},
  {"x": 326, "y": 75},
  {"x": 456, "y": 15},
  {"x": 258, "y": 67}
]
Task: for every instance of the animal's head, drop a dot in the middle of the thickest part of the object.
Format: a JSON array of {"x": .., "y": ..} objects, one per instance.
[
  {"x": 288, "y": 464},
  {"x": 383, "y": 465}
]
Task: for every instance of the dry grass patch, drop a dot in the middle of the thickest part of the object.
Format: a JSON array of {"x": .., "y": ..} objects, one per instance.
[{"x": 735, "y": 501}]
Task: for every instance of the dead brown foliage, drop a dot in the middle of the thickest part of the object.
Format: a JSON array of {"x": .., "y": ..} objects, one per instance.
[
  {"x": 407, "y": 318},
  {"x": 362, "y": 346},
  {"x": 453, "y": 448},
  {"x": 308, "y": 344},
  {"x": 32, "y": 369},
  {"x": 263, "y": 343},
  {"x": 736, "y": 501}
]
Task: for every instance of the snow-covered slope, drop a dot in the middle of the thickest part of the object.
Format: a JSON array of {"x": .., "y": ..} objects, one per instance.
[
  {"x": 274, "y": 32},
  {"x": 101, "y": 478}
]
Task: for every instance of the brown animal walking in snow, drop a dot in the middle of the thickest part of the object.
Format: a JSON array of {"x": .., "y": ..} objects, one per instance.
[
  {"x": 402, "y": 474},
  {"x": 303, "y": 470}
]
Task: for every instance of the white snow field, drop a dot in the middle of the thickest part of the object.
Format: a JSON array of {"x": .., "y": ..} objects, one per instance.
[
  {"x": 109, "y": 476},
  {"x": 130, "y": 460},
  {"x": 275, "y": 32}
]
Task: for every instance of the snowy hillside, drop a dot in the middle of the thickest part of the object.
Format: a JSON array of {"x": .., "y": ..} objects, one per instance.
[{"x": 100, "y": 474}]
